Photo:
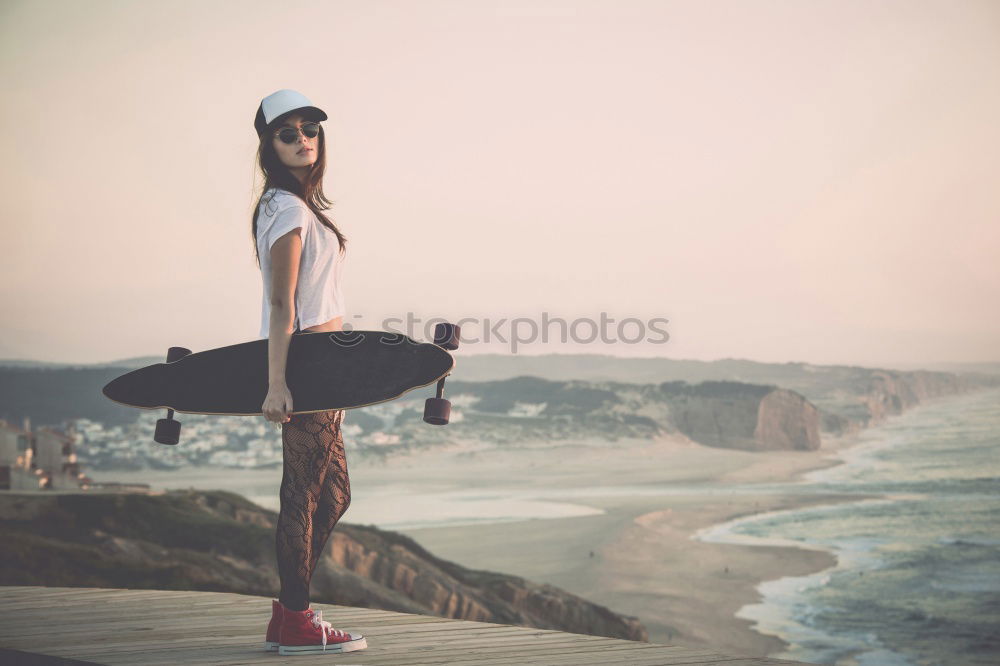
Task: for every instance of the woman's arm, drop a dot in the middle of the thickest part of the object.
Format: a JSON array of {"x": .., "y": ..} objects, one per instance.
[{"x": 285, "y": 255}]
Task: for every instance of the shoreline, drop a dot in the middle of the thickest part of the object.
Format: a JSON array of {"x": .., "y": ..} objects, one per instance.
[
  {"x": 640, "y": 556},
  {"x": 619, "y": 524}
]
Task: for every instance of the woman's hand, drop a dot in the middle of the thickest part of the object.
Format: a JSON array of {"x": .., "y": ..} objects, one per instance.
[{"x": 277, "y": 405}]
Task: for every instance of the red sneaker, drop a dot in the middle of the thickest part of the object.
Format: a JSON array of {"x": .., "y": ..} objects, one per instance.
[
  {"x": 305, "y": 632},
  {"x": 273, "y": 627}
]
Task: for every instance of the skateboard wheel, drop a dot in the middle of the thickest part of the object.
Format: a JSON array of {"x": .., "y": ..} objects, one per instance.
[
  {"x": 437, "y": 411},
  {"x": 446, "y": 336},
  {"x": 177, "y": 353},
  {"x": 168, "y": 431}
]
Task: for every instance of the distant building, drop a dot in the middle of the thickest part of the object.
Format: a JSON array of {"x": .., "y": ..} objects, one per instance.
[
  {"x": 17, "y": 447},
  {"x": 40, "y": 460}
]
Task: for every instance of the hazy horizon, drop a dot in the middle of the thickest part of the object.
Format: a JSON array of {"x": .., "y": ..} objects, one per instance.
[
  {"x": 986, "y": 367},
  {"x": 781, "y": 181}
]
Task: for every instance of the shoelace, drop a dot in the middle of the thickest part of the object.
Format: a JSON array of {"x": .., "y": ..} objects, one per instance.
[{"x": 324, "y": 626}]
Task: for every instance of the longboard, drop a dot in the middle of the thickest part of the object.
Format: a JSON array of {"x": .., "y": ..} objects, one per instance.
[{"x": 324, "y": 371}]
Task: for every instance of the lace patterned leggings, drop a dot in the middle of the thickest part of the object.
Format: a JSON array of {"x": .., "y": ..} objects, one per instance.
[{"x": 315, "y": 493}]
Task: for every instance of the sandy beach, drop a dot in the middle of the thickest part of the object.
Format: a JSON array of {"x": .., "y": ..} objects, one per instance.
[{"x": 634, "y": 551}]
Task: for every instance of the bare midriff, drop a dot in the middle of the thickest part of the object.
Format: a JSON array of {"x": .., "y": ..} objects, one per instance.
[{"x": 335, "y": 324}]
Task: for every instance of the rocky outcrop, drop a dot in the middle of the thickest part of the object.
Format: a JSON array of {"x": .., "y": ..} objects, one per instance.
[
  {"x": 836, "y": 424},
  {"x": 786, "y": 420},
  {"x": 890, "y": 392},
  {"x": 219, "y": 541},
  {"x": 422, "y": 583},
  {"x": 743, "y": 416}
]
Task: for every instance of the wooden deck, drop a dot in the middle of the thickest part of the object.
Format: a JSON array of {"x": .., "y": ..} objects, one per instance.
[{"x": 67, "y": 625}]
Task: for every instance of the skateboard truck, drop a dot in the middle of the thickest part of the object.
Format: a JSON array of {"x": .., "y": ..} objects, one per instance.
[
  {"x": 168, "y": 431},
  {"x": 437, "y": 410}
]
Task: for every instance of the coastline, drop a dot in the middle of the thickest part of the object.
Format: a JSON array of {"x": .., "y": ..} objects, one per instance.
[
  {"x": 638, "y": 555},
  {"x": 613, "y": 522}
]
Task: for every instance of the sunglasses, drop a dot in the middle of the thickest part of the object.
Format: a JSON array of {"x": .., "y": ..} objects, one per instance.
[{"x": 291, "y": 134}]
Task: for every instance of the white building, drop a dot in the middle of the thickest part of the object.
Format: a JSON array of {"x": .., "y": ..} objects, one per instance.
[{"x": 40, "y": 460}]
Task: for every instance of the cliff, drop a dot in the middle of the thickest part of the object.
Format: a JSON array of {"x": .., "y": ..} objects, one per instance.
[
  {"x": 729, "y": 414},
  {"x": 743, "y": 416},
  {"x": 889, "y": 392},
  {"x": 219, "y": 541}
]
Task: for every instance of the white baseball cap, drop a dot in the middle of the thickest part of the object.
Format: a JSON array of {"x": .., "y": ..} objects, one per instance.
[{"x": 278, "y": 104}]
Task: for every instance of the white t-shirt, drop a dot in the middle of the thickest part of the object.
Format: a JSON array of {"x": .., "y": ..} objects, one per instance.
[{"x": 318, "y": 295}]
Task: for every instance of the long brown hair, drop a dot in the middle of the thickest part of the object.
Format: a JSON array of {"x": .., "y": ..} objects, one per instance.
[{"x": 276, "y": 174}]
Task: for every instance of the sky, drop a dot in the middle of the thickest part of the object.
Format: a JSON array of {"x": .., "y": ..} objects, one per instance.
[{"x": 775, "y": 180}]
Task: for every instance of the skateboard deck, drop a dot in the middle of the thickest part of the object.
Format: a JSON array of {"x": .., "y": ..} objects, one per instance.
[{"x": 324, "y": 371}]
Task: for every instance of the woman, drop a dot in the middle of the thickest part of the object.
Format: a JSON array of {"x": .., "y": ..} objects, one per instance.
[{"x": 299, "y": 252}]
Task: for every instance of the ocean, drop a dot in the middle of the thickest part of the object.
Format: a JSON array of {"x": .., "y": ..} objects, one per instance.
[{"x": 918, "y": 574}]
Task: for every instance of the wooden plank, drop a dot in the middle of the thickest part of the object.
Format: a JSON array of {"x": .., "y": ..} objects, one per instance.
[
  {"x": 99, "y": 652},
  {"x": 78, "y": 600},
  {"x": 570, "y": 643},
  {"x": 142, "y": 614},
  {"x": 419, "y": 624},
  {"x": 763, "y": 661},
  {"x": 28, "y": 659},
  {"x": 555, "y": 651},
  {"x": 470, "y": 637},
  {"x": 129, "y": 634},
  {"x": 472, "y": 647},
  {"x": 386, "y": 618},
  {"x": 195, "y": 655},
  {"x": 390, "y": 628},
  {"x": 595, "y": 659},
  {"x": 83, "y": 607},
  {"x": 47, "y": 595},
  {"x": 452, "y": 644},
  {"x": 122, "y": 607},
  {"x": 46, "y": 591},
  {"x": 56, "y": 588}
]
